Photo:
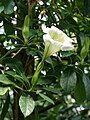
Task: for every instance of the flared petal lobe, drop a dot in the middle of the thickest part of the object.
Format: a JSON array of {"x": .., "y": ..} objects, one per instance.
[{"x": 56, "y": 40}]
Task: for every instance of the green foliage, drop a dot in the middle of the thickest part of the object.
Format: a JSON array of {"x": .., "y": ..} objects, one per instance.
[
  {"x": 3, "y": 90},
  {"x": 5, "y": 80},
  {"x": 25, "y": 30},
  {"x": 68, "y": 80},
  {"x": 8, "y": 6},
  {"x": 5, "y": 108},
  {"x": 80, "y": 93},
  {"x": 85, "y": 49},
  {"x": 46, "y": 98},
  {"x": 53, "y": 89},
  {"x": 27, "y": 105}
]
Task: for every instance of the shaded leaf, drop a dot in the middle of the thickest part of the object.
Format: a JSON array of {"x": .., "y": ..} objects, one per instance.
[
  {"x": 85, "y": 49},
  {"x": 86, "y": 81},
  {"x": 80, "y": 93},
  {"x": 9, "y": 6},
  {"x": 1, "y": 7},
  {"x": 14, "y": 64},
  {"x": 8, "y": 26},
  {"x": 5, "y": 108},
  {"x": 66, "y": 53},
  {"x": 68, "y": 80},
  {"x": 13, "y": 74},
  {"x": 53, "y": 90}
]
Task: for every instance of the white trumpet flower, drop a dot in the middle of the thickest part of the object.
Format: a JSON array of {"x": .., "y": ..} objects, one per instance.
[{"x": 55, "y": 40}]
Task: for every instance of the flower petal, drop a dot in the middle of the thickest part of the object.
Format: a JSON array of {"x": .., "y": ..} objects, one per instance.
[{"x": 55, "y": 40}]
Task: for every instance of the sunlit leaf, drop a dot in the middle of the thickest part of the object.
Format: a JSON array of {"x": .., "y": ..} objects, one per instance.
[
  {"x": 3, "y": 90},
  {"x": 5, "y": 80},
  {"x": 27, "y": 105},
  {"x": 46, "y": 98}
]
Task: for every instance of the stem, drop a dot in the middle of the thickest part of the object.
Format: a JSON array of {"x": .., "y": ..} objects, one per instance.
[
  {"x": 39, "y": 67},
  {"x": 31, "y": 4},
  {"x": 15, "y": 106},
  {"x": 17, "y": 115},
  {"x": 36, "y": 74}
]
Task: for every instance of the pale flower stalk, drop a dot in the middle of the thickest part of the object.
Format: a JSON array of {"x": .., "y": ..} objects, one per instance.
[{"x": 55, "y": 40}]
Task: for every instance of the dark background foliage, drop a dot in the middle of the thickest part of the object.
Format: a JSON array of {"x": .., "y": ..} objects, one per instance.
[{"x": 63, "y": 88}]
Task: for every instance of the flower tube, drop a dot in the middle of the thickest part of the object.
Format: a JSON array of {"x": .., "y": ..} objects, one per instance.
[{"x": 55, "y": 40}]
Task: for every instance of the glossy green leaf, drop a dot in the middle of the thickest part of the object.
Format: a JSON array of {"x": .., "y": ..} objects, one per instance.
[
  {"x": 1, "y": 7},
  {"x": 80, "y": 93},
  {"x": 8, "y": 6},
  {"x": 14, "y": 63},
  {"x": 27, "y": 105},
  {"x": 5, "y": 80},
  {"x": 68, "y": 80},
  {"x": 46, "y": 98},
  {"x": 3, "y": 90},
  {"x": 85, "y": 49},
  {"x": 86, "y": 81},
  {"x": 13, "y": 74}
]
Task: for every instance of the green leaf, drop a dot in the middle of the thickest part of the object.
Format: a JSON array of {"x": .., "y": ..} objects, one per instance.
[
  {"x": 53, "y": 90},
  {"x": 86, "y": 81},
  {"x": 1, "y": 7},
  {"x": 8, "y": 6},
  {"x": 80, "y": 4},
  {"x": 66, "y": 53},
  {"x": 25, "y": 30},
  {"x": 18, "y": 78},
  {"x": 27, "y": 105},
  {"x": 46, "y": 98},
  {"x": 13, "y": 74},
  {"x": 5, "y": 80},
  {"x": 3, "y": 90},
  {"x": 87, "y": 7},
  {"x": 43, "y": 81},
  {"x": 80, "y": 93},
  {"x": 5, "y": 108},
  {"x": 8, "y": 26},
  {"x": 15, "y": 37},
  {"x": 85, "y": 49},
  {"x": 14, "y": 64},
  {"x": 68, "y": 80}
]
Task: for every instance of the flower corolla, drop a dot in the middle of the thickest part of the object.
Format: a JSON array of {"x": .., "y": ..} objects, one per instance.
[
  {"x": 56, "y": 40},
  {"x": 40, "y": 2}
]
